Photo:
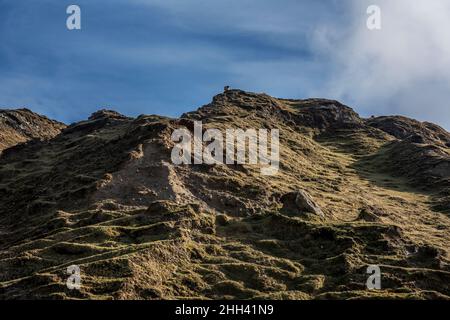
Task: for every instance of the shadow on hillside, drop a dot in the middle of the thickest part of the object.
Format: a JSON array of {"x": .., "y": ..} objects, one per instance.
[{"x": 376, "y": 169}]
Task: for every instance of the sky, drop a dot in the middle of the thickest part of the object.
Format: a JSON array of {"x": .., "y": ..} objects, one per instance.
[{"x": 171, "y": 56}]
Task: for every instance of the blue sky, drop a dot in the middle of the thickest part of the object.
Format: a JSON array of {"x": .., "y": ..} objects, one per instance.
[{"x": 171, "y": 56}]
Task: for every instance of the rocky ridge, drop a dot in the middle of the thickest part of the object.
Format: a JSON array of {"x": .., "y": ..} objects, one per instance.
[
  {"x": 103, "y": 194},
  {"x": 22, "y": 125}
]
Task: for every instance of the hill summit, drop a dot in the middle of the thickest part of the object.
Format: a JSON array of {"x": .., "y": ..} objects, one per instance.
[
  {"x": 103, "y": 195},
  {"x": 21, "y": 125}
]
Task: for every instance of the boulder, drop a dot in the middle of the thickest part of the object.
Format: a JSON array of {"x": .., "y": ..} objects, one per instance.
[
  {"x": 371, "y": 214},
  {"x": 300, "y": 202}
]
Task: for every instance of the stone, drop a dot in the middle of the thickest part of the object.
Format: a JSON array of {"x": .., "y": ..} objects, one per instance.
[{"x": 301, "y": 201}]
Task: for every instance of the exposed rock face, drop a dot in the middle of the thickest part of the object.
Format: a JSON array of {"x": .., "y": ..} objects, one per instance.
[
  {"x": 104, "y": 194},
  {"x": 22, "y": 125},
  {"x": 418, "y": 132},
  {"x": 326, "y": 114},
  {"x": 107, "y": 114}
]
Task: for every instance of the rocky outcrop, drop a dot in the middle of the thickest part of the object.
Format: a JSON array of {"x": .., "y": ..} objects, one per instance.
[
  {"x": 320, "y": 114},
  {"x": 22, "y": 125},
  {"x": 325, "y": 114},
  {"x": 109, "y": 114},
  {"x": 417, "y": 132}
]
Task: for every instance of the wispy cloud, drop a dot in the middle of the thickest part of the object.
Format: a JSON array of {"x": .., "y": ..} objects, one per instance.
[{"x": 402, "y": 68}]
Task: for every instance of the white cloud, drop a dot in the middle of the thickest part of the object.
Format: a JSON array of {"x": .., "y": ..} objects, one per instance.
[{"x": 402, "y": 69}]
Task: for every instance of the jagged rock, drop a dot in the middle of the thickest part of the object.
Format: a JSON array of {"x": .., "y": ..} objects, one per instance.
[
  {"x": 416, "y": 131},
  {"x": 96, "y": 121},
  {"x": 104, "y": 113},
  {"x": 325, "y": 114},
  {"x": 300, "y": 201},
  {"x": 22, "y": 125}
]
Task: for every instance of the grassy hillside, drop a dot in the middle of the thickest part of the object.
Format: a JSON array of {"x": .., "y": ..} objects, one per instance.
[{"x": 105, "y": 195}]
